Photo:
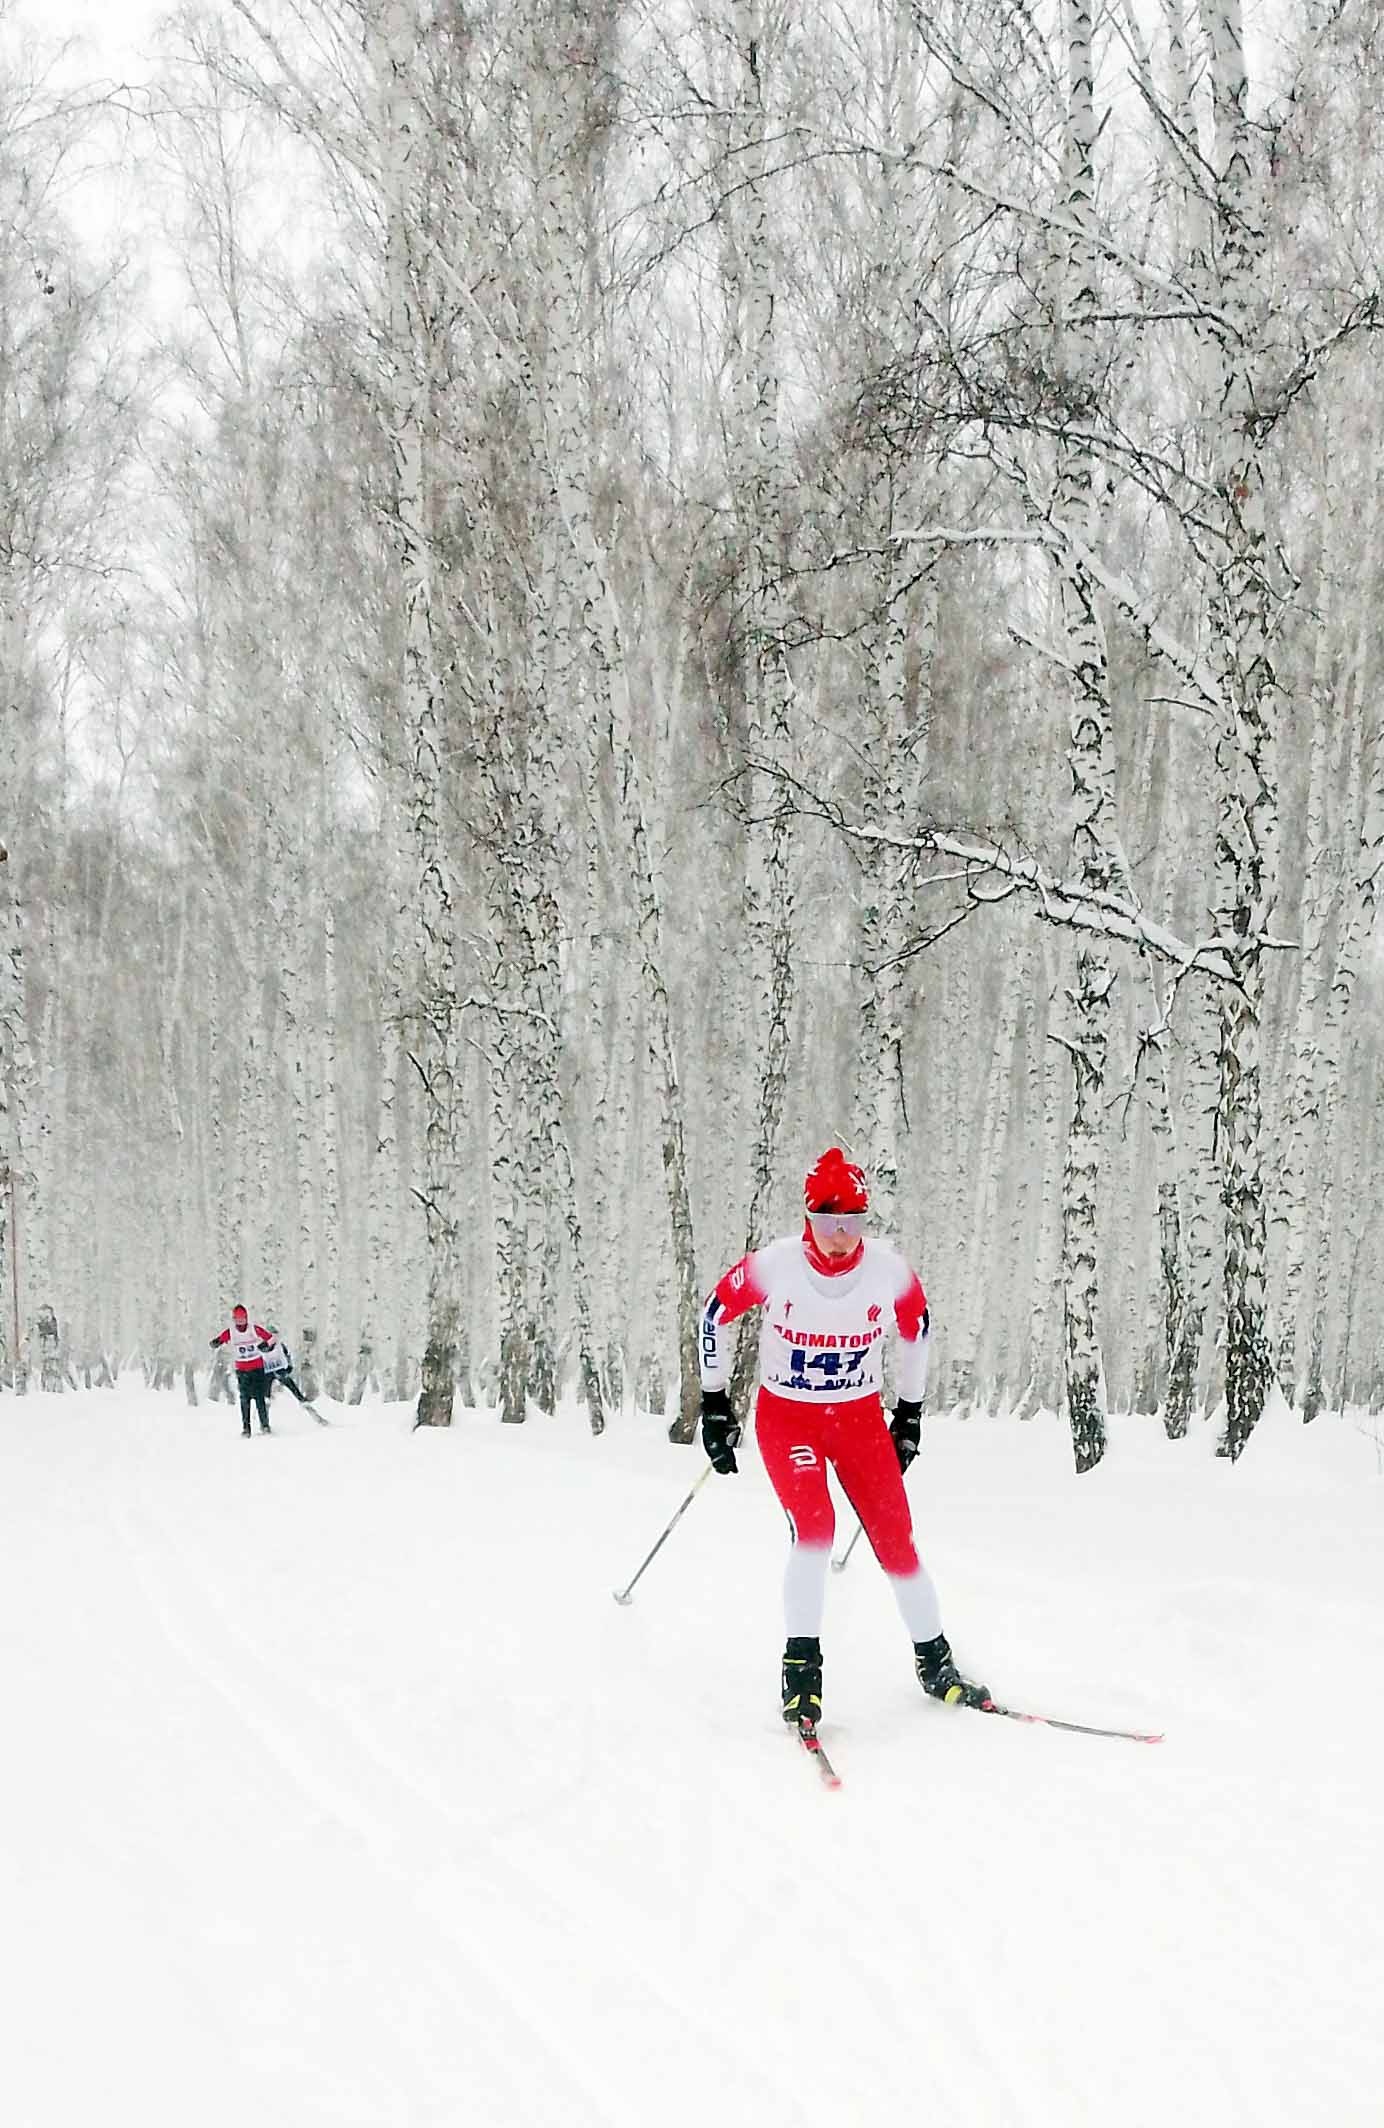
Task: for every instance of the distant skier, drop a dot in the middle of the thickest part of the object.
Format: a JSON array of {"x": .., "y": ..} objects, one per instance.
[
  {"x": 278, "y": 1367},
  {"x": 829, "y": 1296},
  {"x": 247, "y": 1341}
]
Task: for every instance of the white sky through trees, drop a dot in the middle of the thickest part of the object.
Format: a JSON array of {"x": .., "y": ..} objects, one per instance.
[
  {"x": 228, "y": 588},
  {"x": 111, "y": 30}
]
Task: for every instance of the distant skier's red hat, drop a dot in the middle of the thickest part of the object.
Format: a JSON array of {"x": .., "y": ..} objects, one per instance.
[
  {"x": 835, "y": 1184},
  {"x": 240, "y": 1313}
]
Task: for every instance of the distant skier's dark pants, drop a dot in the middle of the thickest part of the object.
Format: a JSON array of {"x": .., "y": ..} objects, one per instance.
[
  {"x": 287, "y": 1381},
  {"x": 251, "y": 1386}
]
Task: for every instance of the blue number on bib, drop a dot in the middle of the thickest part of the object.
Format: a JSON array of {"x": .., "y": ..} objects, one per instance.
[{"x": 827, "y": 1373}]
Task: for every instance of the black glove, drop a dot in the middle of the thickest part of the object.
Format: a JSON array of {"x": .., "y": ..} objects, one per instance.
[
  {"x": 720, "y": 1431},
  {"x": 906, "y": 1431},
  {"x": 213, "y": 1342}
]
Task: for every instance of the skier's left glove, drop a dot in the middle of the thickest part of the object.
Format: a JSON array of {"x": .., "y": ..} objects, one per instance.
[
  {"x": 906, "y": 1431},
  {"x": 720, "y": 1432}
]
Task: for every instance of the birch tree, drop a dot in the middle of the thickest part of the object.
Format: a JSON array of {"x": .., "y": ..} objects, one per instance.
[
  {"x": 408, "y": 388},
  {"x": 1096, "y": 839},
  {"x": 756, "y": 469}
]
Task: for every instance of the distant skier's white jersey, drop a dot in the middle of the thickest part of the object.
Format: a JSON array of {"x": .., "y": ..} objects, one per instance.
[
  {"x": 821, "y": 1338},
  {"x": 277, "y": 1359}
]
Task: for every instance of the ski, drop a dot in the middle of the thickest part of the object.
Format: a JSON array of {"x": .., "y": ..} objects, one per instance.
[
  {"x": 812, "y": 1744},
  {"x": 1051, "y": 1721}
]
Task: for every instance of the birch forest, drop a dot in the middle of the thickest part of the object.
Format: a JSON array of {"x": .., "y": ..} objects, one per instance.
[{"x": 599, "y": 594}]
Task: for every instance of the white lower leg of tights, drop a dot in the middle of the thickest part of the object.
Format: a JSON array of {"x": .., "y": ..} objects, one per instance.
[
  {"x": 805, "y": 1589},
  {"x": 916, "y": 1596},
  {"x": 805, "y": 1594}
]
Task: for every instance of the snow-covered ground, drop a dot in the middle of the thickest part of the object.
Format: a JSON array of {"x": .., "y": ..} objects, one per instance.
[{"x": 337, "y": 1790}]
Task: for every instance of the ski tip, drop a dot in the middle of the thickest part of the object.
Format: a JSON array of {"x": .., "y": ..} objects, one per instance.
[{"x": 812, "y": 1744}]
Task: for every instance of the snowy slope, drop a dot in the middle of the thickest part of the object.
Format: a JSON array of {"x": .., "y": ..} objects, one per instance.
[{"x": 337, "y": 1790}]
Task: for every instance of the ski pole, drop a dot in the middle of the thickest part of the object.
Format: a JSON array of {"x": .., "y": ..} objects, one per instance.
[
  {"x": 838, "y": 1566},
  {"x": 624, "y": 1595}
]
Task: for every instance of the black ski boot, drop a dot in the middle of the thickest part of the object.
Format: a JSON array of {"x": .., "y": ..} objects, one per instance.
[
  {"x": 940, "y": 1678},
  {"x": 802, "y": 1680},
  {"x": 245, "y": 1431}
]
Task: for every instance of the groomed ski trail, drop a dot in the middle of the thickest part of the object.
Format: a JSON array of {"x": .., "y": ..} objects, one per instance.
[{"x": 347, "y": 1796}]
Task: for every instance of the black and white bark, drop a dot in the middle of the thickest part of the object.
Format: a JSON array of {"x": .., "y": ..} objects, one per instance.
[
  {"x": 1242, "y": 653},
  {"x": 406, "y": 394},
  {"x": 757, "y": 497},
  {"x": 1090, "y": 753}
]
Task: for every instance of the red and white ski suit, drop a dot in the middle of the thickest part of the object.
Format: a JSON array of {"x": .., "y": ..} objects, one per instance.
[
  {"x": 245, "y": 1345},
  {"x": 821, "y": 1351}
]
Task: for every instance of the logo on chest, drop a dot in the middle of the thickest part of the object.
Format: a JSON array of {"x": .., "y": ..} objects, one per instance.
[{"x": 830, "y": 1340}]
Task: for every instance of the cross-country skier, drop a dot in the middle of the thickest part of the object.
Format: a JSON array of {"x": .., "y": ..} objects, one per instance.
[
  {"x": 247, "y": 1341},
  {"x": 278, "y": 1365},
  {"x": 829, "y": 1297}
]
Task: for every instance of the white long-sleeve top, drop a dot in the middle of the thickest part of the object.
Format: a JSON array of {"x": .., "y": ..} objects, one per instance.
[{"x": 821, "y": 1337}]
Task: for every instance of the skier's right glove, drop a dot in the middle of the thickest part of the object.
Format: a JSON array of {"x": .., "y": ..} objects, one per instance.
[
  {"x": 906, "y": 1431},
  {"x": 720, "y": 1431}
]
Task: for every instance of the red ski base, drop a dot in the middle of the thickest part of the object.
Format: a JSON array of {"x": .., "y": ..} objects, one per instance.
[{"x": 807, "y": 1736}]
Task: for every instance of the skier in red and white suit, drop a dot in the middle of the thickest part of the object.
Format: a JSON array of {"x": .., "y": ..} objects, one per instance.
[
  {"x": 248, "y": 1342},
  {"x": 829, "y": 1298}
]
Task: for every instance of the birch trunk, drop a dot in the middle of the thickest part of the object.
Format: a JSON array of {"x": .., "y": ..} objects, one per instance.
[
  {"x": 896, "y": 775},
  {"x": 1247, "y": 827},
  {"x": 758, "y": 482},
  {"x": 1357, "y": 930},
  {"x": 571, "y": 476},
  {"x": 898, "y": 717},
  {"x": 1337, "y": 711},
  {"x": 329, "y": 1157},
  {"x": 382, "y": 1237},
  {"x": 408, "y": 416},
  {"x": 1090, "y": 756},
  {"x": 1171, "y": 1257},
  {"x": 1200, "y": 1239},
  {"x": 984, "y": 1251},
  {"x": 1045, "y": 1325},
  {"x": 11, "y": 1034},
  {"x": 19, "y": 1123}
]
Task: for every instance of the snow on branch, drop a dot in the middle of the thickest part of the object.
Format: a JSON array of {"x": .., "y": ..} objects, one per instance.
[
  {"x": 1366, "y": 315},
  {"x": 1162, "y": 285},
  {"x": 984, "y": 535},
  {"x": 1137, "y": 610},
  {"x": 1117, "y": 588},
  {"x": 992, "y": 873},
  {"x": 1189, "y": 303}
]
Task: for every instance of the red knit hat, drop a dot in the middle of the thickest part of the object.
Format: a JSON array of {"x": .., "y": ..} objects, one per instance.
[
  {"x": 240, "y": 1313},
  {"x": 835, "y": 1184}
]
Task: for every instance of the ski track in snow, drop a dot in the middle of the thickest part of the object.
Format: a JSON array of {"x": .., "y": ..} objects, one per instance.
[{"x": 340, "y": 1792}]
